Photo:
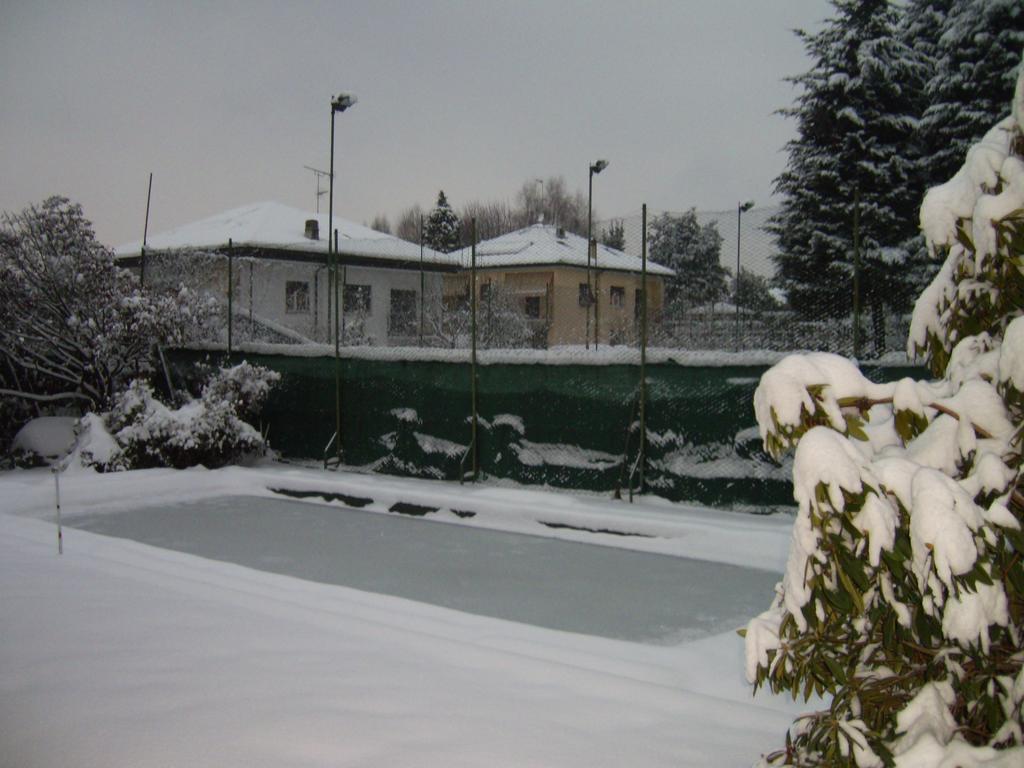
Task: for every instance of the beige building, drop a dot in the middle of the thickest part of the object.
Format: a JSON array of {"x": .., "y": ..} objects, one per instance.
[{"x": 541, "y": 272}]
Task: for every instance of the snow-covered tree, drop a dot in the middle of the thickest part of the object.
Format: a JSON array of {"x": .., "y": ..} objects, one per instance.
[
  {"x": 501, "y": 320},
  {"x": 692, "y": 250},
  {"x": 903, "y": 597},
  {"x": 753, "y": 293},
  {"x": 75, "y": 328},
  {"x": 972, "y": 77},
  {"x": 442, "y": 227},
  {"x": 213, "y": 430},
  {"x": 855, "y": 116}
]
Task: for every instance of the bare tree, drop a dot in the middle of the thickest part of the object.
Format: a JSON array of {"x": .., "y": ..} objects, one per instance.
[
  {"x": 552, "y": 199},
  {"x": 407, "y": 226},
  {"x": 537, "y": 200},
  {"x": 492, "y": 219},
  {"x": 381, "y": 224}
]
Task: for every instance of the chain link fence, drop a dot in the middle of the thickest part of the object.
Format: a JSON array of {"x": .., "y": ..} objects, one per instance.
[
  {"x": 753, "y": 312},
  {"x": 709, "y": 283}
]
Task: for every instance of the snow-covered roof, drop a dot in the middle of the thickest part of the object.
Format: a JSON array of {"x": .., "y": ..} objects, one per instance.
[
  {"x": 545, "y": 244},
  {"x": 273, "y": 225}
]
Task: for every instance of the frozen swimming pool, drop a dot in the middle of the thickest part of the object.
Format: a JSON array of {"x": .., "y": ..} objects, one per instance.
[{"x": 591, "y": 589}]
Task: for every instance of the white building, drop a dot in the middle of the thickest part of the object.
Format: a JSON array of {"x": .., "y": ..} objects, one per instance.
[{"x": 280, "y": 274}]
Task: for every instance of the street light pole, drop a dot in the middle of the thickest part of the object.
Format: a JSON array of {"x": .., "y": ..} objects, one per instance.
[
  {"x": 597, "y": 167},
  {"x": 741, "y": 208},
  {"x": 339, "y": 103}
]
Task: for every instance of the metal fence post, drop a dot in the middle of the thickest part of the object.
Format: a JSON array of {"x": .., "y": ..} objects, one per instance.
[
  {"x": 472, "y": 360},
  {"x": 337, "y": 356},
  {"x": 422, "y": 281},
  {"x": 643, "y": 345},
  {"x": 230, "y": 294}
]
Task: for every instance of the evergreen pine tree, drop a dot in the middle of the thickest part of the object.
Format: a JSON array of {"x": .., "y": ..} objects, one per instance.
[
  {"x": 976, "y": 55},
  {"x": 442, "y": 227},
  {"x": 855, "y": 116}
]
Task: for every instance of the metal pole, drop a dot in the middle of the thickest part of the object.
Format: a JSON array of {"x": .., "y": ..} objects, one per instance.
[
  {"x": 337, "y": 355},
  {"x": 856, "y": 273},
  {"x": 643, "y": 345},
  {"x": 252, "y": 263},
  {"x": 422, "y": 282},
  {"x": 145, "y": 233},
  {"x": 590, "y": 195},
  {"x": 332, "y": 267},
  {"x": 337, "y": 295},
  {"x": 736, "y": 295},
  {"x": 472, "y": 357},
  {"x": 230, "y": 295}
]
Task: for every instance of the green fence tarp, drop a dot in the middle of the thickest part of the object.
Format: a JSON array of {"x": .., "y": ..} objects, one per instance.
[{"x": 559, "y": 425}]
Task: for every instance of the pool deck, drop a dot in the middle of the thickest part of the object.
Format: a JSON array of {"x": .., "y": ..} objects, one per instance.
[{"x": 119, "y": 653}]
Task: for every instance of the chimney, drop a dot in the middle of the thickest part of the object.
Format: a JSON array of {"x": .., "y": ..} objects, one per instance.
[{"x": 312, "y": 229}]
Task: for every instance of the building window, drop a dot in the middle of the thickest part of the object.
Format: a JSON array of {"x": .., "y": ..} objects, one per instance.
[
  {"x": 485, "y": 291},
  {"x": 402, "y": 320},
  {"x": 618, "y": 296},
  {"x": 356, "y": 299},
  {"x": 296, "y": 297},
  {"x": 586, "y": 298},
  {"x": 531, "y": 307},
  {"x": 638, "y": 302}
]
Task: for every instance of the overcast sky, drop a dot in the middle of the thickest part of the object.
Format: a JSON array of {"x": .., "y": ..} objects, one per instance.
[{"x": 225, "y": 102}]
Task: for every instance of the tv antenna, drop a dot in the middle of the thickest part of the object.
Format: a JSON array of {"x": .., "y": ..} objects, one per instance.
[{"x": 319, "y": 175}]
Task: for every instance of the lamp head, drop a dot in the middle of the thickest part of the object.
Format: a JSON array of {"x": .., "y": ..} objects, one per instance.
[
  {"x": 599, "y": 166},
  {"x": 342, "y": 101},
  {"x": 744, "y": 207}
]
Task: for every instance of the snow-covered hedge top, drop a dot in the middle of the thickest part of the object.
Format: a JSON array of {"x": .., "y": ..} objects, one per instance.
[{"x": 564, "y": 355}]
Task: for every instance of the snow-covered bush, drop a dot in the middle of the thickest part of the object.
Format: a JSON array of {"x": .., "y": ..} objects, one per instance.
[
  {"x": 244, "y": 387},
  {"x": 74, "y": 327},
  {"x": 903, "y": 598},
  {"x": 209, "y": 430}
]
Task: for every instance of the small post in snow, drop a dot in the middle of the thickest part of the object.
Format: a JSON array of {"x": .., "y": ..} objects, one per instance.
[
  {"x": 57, "y": 468},
  {"x": 60, "y": 533}
]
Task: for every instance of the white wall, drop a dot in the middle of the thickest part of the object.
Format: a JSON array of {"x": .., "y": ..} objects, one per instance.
[{"x": 267, "y": 280}]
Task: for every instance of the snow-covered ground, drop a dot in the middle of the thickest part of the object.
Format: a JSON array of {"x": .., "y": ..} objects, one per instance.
[{"x": 121, "y": 653}]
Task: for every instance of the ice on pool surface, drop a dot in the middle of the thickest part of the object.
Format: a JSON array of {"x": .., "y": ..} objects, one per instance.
[{"x": 585, "y": 588}]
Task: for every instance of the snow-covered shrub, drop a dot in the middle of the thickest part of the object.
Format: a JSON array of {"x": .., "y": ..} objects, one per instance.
[
  {"x": 74, "y": 327},
  {"x": 244, "y": 387},
  {"x": 42, "y": 441},
  {"x": 903, "y": 597},
  {"x": 209, "y": 430}
]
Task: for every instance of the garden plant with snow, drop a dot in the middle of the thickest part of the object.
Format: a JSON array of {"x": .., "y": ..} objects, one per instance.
[
  {"x": 903, "y": 597},
  {"x": 213, "y": 430},
  {"x": 74, "y": 327}
]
